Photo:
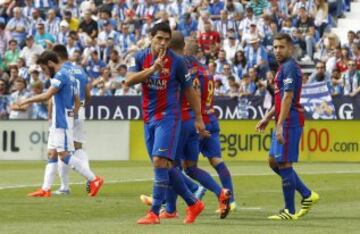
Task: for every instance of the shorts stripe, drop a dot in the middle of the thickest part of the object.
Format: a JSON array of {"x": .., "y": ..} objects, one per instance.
[
  {"x": 172, "y": 138},
  {"x": 286, "y": 145},
  {"x": 66, "y": 141}
]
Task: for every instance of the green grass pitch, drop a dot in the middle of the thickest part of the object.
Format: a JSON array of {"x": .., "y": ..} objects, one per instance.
[{"x": 117, "y": 206}]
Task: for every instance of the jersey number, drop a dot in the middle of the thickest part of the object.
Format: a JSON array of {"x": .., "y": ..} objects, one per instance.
[{"x": 210, "y": 93}]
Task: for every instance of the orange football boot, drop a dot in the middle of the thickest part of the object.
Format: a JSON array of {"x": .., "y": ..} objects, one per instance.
[
  {"x": 224, "y": 203},
  {"x": 95, "y": 186},
  {"x": 192, "y": 212},
  {"x": 166, "y": 215},
  {"x": 40, "y": 193},
  {"x": 150, "y": 218}
]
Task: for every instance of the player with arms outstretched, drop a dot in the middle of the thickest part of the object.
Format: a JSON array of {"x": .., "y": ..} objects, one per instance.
[{"x": 289, "y": 121}]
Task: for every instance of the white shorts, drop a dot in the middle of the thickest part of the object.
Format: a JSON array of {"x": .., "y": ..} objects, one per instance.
[
  {"x": 61, "y": 139},
  {"x": 79, "y": 130}
]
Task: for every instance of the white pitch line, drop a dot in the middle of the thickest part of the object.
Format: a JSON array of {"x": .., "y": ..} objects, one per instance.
[
  {"x": 147, "y": 179},
  {"x": 249, "y": 208}
]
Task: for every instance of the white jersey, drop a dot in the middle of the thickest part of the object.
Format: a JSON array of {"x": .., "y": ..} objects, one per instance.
[
  {"x": 61, "y": 129},
  {"x": 81, "y": 82}
]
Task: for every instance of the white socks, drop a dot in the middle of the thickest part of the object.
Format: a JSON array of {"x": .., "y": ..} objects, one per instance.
[
  {"x": 81, "y": 168},
  {"x": 63, "y": 170},
  {"x": 49, "y": 176},
  {"x": 81, "y": 154}
]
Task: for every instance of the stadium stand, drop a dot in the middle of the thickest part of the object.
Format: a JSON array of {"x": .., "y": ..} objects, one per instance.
[{"x": 235, "y": 39}]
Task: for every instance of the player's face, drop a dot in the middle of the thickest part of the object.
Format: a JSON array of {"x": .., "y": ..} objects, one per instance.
[
  {"x": 282, "y": 50},
  {"x": 48, "y": 69},
  {"x": 160, "y": 41}
]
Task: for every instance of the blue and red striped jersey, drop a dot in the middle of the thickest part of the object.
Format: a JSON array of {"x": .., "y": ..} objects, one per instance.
[
  {"x": 161, "y": 91},
  {"x": 289, "y": 79},
  {"x": 186, "y": 111},
  {"x": 204, "y": 81}
]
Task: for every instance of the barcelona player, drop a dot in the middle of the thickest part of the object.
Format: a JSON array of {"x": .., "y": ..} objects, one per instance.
[
  {"x": 163, "y": 76},
  {"x": 188, "y": 145},
  {"x": 210, "y": 146},
  {"x": 289, "y": 120}
]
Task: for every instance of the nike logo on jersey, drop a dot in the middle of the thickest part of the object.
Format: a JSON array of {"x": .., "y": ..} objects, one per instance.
[{"x": 162, "y": 150}]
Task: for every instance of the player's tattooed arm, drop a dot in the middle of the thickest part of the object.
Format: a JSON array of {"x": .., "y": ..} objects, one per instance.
[
  {"x": 284, "y": 112},
  {"x": 77, "y": 104},
  {"x": 88, "y": 93},
  {"x": 194, "y": 101},
  {"x": 49, "y": 109},
  {"x": 262, "y": 124}
]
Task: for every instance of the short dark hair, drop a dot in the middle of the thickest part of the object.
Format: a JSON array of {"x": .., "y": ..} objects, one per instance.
[
  {"x": 12, "y": 40},
  {"x": 283, "y": 36},
  {"x": 61, "y": 51},
  {"x": 177, "y": 41},
  {"x": 20, "y": 80},
  {"x": 163, "y": 27},
  {"x": 73, "y": 33},
  {"x": 47, "y": 56}
]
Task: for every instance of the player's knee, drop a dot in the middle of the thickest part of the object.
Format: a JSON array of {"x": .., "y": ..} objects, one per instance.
[
  {"x": 215, "y": 161},
  {"x": 160, "y": 162},
  {"x": 63, "y": 155},
  {"x": 52, "y": 154},
  {"x": 272, "y": 163},
  {"x": 284, "y": 165},
  {"x": 77, "y": 145},
  {"x": 188, "y": 164}
]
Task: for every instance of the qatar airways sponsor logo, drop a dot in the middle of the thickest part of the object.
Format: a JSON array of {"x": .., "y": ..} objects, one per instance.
[{"x": 156, "y": 83}]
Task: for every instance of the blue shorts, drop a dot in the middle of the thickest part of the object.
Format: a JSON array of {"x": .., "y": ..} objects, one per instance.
[
  {"x": 210, "y": 147},
  {"x": 188, "y": 145},
  {"x": 161, "y": 137},
  {"x": 289, "y": 151}
]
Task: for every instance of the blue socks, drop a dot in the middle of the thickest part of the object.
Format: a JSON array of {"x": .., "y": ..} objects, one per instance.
[
  {"x": 161, "y": 183},
  {"x": 52, "y": 160},
  {"x": 67, "y": 159},
  {"x": 288, "y": 186},
  {"x": 190, "y": 183},
  {"x": 300, "y": 186},
  {"x": 204, "y": 179},
  {"x": 171, "y": 197},
  {"x": 179, "y": 186},
  {"x": 225, "y": 178}
]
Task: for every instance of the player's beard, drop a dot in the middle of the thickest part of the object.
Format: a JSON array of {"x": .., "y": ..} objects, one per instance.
[{"x": 52, "y": 72}]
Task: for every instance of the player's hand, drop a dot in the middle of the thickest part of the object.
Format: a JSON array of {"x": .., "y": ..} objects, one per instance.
[
  {"x": 279, "y": 134},
  {"x": 200, "y": 128},
  {"x": 261, "y": 125},
  {"x": 19, "y": 104},
  {"x": 160, "y": 62}
]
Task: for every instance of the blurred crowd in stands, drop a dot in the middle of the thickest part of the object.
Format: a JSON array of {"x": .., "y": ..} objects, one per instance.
[{"x": 234, "y": 41}]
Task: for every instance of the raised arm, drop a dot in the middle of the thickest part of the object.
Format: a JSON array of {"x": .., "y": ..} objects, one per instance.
[{"x": 133, "y": 78}]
